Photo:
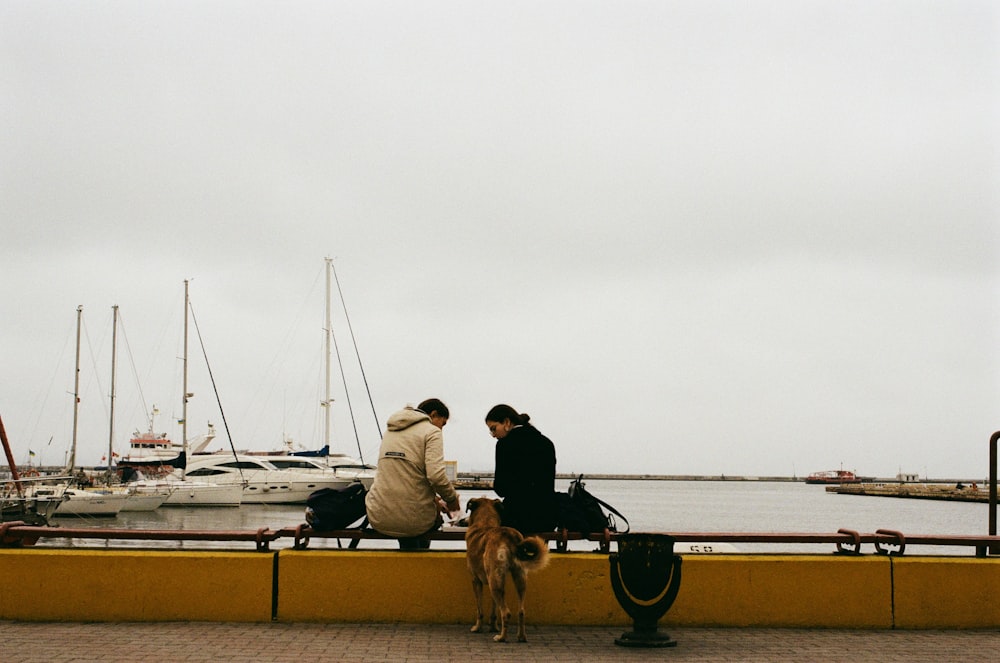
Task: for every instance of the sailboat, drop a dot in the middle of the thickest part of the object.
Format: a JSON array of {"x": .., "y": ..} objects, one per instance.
[
  {"x": 285, "y": 476},
  {"x": 18, "y": 503},
  {"x": 184, "y": 491},
  {"x": 138, "y": 500},
  {"x": 83, "y": 499}
]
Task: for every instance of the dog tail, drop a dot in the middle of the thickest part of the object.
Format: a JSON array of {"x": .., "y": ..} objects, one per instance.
[{"x": 533, "y": 553}]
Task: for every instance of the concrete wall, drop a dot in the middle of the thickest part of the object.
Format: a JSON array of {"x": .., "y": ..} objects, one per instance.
[
  {"x": 946, "y": 592},
  {"x": 102, "y": 585},
  {"x": 434, "y": 587}
]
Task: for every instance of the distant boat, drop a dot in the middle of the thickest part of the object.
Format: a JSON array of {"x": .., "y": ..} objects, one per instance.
[
  {"x": 154, "y": 453},
  {"x": 265, "y": 483},
  {"x": 289, "y": 475},
  {"x": 87, "y": 502},
  {"x": 28, "y": 508},
  {"x": 155, "y": 464},
  {"x": 833, "y": 477}
]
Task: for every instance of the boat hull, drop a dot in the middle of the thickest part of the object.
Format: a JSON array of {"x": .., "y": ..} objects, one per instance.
[
  {"x": 196, "y": 493},
  {"x": 96, "y": 504},
  {"x": 29, "y": 509},
  {"x": 145, "y": 501}
]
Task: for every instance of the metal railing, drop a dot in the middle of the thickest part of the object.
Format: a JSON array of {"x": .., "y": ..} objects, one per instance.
[{"x": 845, "y": 541}]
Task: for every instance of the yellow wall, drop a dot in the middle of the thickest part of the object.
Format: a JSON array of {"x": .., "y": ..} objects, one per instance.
[
  {"x": 784, "y": 590},
  {"x": 947, "y": 592},
  {"x": 434, "y": 587},
  {"x": 97, "y": 585}
]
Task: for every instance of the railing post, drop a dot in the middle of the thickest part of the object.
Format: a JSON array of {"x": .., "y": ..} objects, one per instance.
[{"x": 993, "y": 549}]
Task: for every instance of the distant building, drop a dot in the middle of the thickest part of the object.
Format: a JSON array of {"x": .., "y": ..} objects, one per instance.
[
  {"x": 907, "y": 477},
  {"x": 451, "y": 469}
]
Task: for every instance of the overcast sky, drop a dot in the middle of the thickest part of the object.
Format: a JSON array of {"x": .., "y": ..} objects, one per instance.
[{"x": 690, "y": 237}]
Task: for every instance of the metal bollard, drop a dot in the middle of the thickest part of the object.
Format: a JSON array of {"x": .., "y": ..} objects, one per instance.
[{"x": 645, "y": 576}]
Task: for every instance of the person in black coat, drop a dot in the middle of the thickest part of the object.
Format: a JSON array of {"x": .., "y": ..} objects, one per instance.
[{"x": 525, "y": 473}]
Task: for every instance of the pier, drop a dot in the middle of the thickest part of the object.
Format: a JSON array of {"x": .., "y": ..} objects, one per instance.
[{"x": 957, "y": 492}]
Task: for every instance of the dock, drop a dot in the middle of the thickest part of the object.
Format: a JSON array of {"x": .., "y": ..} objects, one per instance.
[
  {"x": 958, "y": 492},
  {"x": 473, "y": 484}
]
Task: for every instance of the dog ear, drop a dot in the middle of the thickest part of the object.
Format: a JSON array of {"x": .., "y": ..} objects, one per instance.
[{"x": 472, "y": 504}]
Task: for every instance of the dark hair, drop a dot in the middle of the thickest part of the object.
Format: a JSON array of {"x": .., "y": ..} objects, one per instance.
[
  {"x": 434, "y": 405},
  {"x": 501, "y": 413}
]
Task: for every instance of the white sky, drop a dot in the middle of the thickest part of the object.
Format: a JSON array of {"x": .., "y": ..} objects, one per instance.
[{"x": 687, "y": 237}]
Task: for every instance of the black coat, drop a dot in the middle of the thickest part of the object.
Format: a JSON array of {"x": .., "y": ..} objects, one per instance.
[{"x": 525, "y": 478}]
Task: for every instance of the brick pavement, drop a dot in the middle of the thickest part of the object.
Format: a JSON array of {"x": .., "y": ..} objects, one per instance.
[{"x": 29, "y": 642}]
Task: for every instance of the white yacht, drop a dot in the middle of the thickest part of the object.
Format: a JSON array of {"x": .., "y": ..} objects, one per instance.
[{"x": 263, "y": 482}]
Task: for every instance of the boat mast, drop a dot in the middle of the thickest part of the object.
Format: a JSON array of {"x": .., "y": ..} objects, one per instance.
[
  {"x": 71, "y": 461},
  {"x": 327, "y": 332},
  {"x": 114, "y": 351},
  {"x": 184, "y": 400}
]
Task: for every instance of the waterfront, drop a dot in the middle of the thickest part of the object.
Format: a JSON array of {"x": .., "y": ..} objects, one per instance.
[
  {"x": 208, "y": 642},
  {"x": 658, "y": 506}
]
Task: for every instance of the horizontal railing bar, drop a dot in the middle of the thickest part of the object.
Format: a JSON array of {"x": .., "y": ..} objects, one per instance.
[{"x": 16, "y": 532}]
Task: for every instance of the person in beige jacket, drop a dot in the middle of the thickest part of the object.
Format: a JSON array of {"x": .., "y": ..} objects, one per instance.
[{"x": 403, "y": 501}]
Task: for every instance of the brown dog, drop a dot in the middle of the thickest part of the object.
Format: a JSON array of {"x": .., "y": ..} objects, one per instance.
[{"x": 492, "y": 551}]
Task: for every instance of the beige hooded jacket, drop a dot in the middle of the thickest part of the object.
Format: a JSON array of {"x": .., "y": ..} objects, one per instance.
[{"x": 410, "y": 472}]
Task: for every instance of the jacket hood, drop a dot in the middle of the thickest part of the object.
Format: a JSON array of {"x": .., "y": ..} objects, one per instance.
[{"x": 406, "y": 418}]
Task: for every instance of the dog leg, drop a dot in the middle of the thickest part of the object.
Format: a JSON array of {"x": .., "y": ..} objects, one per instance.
[
  {"x": 500, "y": 606},
  {"x": 521, "y": 584},
  {"x": 477, "y": 590}
]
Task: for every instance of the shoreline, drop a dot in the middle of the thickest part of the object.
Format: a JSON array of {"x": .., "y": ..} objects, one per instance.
[{"x": 487, "y": 477}]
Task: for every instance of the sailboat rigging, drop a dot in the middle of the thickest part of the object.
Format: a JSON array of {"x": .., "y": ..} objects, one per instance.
[
  {"x": 150, "y": 450},
  {"x": 330, "y": 338}
]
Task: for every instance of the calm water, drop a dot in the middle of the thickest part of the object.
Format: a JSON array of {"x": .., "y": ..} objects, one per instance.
[{"x": 650, "y": 506}]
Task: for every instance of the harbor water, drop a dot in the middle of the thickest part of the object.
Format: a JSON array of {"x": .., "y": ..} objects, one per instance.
[{"x": 649, "y": 505}]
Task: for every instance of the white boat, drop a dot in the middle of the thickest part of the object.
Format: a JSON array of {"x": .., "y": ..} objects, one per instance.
[
  {"x": 80, "y": 500},
  {"x": 288, "y": 476},
  {"x": 146, "y": 500},
  {"x": 19, "y": 502},
  {"x": 30, "y": 509},
  {"x": 175, "y": 491},
  {"x": 188, "y": 492},
  {"x": 263, "y": 483},
  {"x": 340, "y": 464},
  {"x": 154, "y": 454},
  {"x": 149, "y": 449},
  {"x": 88, "y": 502}
]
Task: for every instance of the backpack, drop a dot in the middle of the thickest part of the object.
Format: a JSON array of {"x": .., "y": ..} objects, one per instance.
[
  {"x": 579, "y": 511},
  {"x": 336, "y": 508}
]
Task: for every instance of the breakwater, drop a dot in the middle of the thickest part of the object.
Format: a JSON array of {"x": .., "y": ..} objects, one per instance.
[
  {"x": 957, "y": 492},
  {"x": 487, "y": 477}
]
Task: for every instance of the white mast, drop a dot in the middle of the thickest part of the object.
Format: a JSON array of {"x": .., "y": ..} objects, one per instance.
[
  {"x": 114, "y": 350},
  {"x": 327, "y": 331},
  {"x": 184, "y": 400},
  {"x": 71, "y": 462}
]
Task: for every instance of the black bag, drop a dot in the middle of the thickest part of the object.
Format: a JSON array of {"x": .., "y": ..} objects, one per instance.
[
  {"x": 579, "y": 511},
  {"x": 336, "y": 508}
]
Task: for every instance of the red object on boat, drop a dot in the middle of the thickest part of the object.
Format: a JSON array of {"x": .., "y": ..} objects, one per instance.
[{"x": 833, "y": 476}]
